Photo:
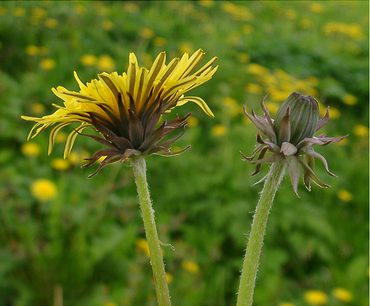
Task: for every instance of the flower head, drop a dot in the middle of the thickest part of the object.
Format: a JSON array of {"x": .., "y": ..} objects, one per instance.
[
  {"x": 291, "y": 136},
  {"x": 126, "y": 109}
]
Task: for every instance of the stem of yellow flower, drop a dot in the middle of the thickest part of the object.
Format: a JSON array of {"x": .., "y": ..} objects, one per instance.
[
  {"x": 254, "y": 247},
  {"x": 139, "y": 167}
]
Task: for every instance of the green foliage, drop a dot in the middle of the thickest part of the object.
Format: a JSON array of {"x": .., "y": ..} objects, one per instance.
[{"x": 86, "y": 239}]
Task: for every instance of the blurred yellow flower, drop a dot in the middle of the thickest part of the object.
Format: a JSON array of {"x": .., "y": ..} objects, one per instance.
[
  {"x": 286, "y": 304},
  {"x": 349, "y": 99},
  {"x": 192, "y": 121},
  {"x": 207, "y": 3},
  {"x": 106, "y": 63},
  {"x": 130, "y": 7},
  {"x": 110, "y": 304},
  {"x": 30, "y": 149},
  {"x": 291, "y": 14},
  {"x": 334, "y": 113},
  {"x": 146, "y": 33},
  {"x": 315, "y": 297},
  {"x": 247, "y": 29},
  {"x": 19, "y": 12},
  {"x": 257, "y": 69},
  {"x": 186, "y": 47},
  {"x": 316, "y": 8},
  {"x": 142, "y": 246},
  {"x": 107, "y": 25},
  {"x": 253, "y": 88},
  {"x": 342, "y": 294},
  {"x": 32, "y": 50},
  {"x": 159, "y": 41},
  {"x": 169, "y": 277},
  {"x": 190, "y": 266},
  {"x": 47, "y": 64},
  {"x": 272, "y": 107},
  {"x": 232, "y": 106},
  {"x": 38, "y": 12},
  {"x": 51, "y": 23},
  {"x": 3, "y": 11},
  {"x": 61, "y": 137},
  {"x": 218, "y": 130},
  {"x": 306, "y": 23},
  {"x": 43, "y": 190},
  {"x": 243, "y": 57},
  {"x": 37, "y": 108},
  {"x": 344, "y": 195},
  {"x": 238, "y": 12},
  {"x": 80, "y": 9},
  {"x": 60, "y": 164},
  {"x": 88, "y": 60},
  {"x": 361, "y": 130}
]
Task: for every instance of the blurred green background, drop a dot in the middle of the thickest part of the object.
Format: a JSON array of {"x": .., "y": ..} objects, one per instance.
[{"x": 62, "y": 233}]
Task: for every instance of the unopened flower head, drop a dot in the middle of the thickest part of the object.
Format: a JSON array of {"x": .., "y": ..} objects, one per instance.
[
  {"x": 291, "y": 136},
  {"x": 125, "y": 109}
]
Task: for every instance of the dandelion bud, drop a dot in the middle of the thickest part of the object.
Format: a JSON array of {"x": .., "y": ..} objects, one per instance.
[{"x": 299, "y": 122}]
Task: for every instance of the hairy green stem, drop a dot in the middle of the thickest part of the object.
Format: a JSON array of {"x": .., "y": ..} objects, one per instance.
[
  {"x": 139, "y": 167},
  {"x": 254, "y": 247}
]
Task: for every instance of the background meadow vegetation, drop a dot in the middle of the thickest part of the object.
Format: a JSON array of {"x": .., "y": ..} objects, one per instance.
[{"x": 60, "y": 231}]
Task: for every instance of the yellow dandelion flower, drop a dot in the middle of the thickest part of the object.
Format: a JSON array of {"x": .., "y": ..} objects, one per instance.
[
  {"x": 306, "y": 23},
  {"x": 219, "y": 130},
  {"x": 361, "y": 130},
  {"x": 207, "y": 3},
  {"x": 142, "y": 246},
  {"x": 61, "y": 137},
  {"x": 257, "y": 69},
  {"x": 243, "y": 57},
  {"x": 3, "y": 11},
  {"x": 291, "y": 14},
  {"x": 146, "y": 33},
  {"x": 43, "y": 190},
  {"x": 253, "y": 88},
  {"x": 60, "y": 164},
  {"x": 107, "y": 25},
  {"x": 232, "y": 106},
  {"x": 247, "y": 29},
  {"x": 32, "y": 50},
  {"x": 130, "y": 7},
  {"x": 88, "y": 60},
  {"x": 286, "y": 304},
  {"x": 315, "y": 297},
  {"x": 316, "y": 8},
  {"x": 190, "y": 266},
  {"x": 106, "y": 63},
  {"x": 80, "y": 9},
  {"x": 74, "y": 158},
  {"x": 30, "y": 149},
  {"x": 125, "y": 109},
  {"x": 344, "y": 195},
  {"x": 349, "y": 99},
  {"x": 159, "y": 41},
  {"x": 19, "y": 12},
  {"x": 334, "y": 113},
  {"x": 272, "y": 107},
  {"x": 37, "y": 108},
  {"x": 186, "y": 47},
  {"x": 38, "y": 13},
  {"x": 47, "y": 64},
  {"x": 342, "y": 294},
  {"x": 169, "y": 277},
  {"x": 51, "y": 23},
  {"x": 192, "y": 121}
]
